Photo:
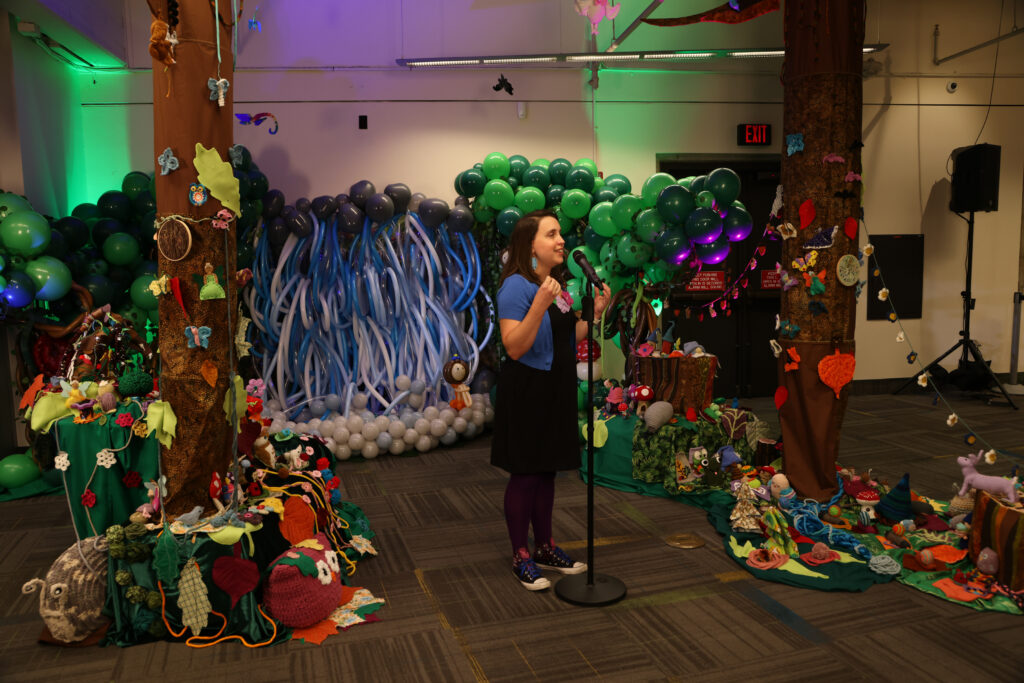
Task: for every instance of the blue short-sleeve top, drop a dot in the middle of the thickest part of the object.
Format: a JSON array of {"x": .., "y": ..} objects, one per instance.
[{"x": 515, "y": 296}]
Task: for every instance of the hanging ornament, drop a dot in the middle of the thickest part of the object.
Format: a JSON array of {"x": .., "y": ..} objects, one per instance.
[{"x": 218, "y": 88}]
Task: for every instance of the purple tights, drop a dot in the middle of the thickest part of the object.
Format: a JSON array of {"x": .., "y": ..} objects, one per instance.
[{"x": 529, "y": 497}]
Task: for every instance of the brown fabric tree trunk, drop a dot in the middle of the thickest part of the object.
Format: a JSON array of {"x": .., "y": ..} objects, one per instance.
[
  {"x": 822, "y": 100},
  {"x": 184, "y": 114}
]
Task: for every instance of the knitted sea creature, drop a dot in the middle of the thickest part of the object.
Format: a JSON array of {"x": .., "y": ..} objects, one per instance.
[
  {"x": 777, "y": 530},
  {"x": 72, "y": 595}
]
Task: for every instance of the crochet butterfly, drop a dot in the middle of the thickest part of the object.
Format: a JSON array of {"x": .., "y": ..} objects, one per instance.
[
  {"x": 787, "y": 280},
  {"x": 788, "y": 329},
  {"x": 815, "y": 282},
  {"x": 823, "y": 239},
  {"x": 809, "y": 261},
  {"x": 220, "y": 221},
  {"x": 198, "y": 336}
]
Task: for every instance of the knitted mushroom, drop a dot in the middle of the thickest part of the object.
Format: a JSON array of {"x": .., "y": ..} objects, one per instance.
[
  {"x": 868, "y": 499},
  {"x": 644, "y": 395},
  {"x": 583, "y": 354}
]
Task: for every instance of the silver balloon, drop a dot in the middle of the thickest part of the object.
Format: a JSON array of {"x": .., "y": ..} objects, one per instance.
[
  {"x": 384, "y": 441},
  {"x": 449, "y": 437}
]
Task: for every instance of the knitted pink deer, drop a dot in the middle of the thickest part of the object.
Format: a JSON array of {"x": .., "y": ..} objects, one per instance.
[{"x": 1006, "y": 488}]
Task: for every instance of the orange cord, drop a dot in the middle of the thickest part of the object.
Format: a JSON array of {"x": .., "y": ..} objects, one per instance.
[{"x": 216, "y": 636}]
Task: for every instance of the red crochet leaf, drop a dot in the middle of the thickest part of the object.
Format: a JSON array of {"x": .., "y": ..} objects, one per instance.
[
  {"x": 316, "y": 633},
  {"x": 235, "y": 576},
  {"x": 850, "y": 228},
  {"x": 807, "y": 213},
  {"x": 781, "y": 394}
]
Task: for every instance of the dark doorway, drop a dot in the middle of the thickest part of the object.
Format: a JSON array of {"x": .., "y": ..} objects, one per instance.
[{"x": 746, "y": 364}]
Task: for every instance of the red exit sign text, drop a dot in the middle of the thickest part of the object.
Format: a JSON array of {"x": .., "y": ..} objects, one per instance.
[{"x": 754, "y": 134}]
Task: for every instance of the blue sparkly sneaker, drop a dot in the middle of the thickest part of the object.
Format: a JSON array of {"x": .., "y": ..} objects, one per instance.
[
  {"x": 550, "y": 556},
  {"x": 526, "y": 571}
]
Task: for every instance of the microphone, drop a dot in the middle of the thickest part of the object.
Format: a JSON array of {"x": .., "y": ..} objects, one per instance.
[{"x": 588, "y": 270}]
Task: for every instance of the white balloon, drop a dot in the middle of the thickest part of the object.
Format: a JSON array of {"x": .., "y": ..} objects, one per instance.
[
  {"x": 423, "y": 444},
  {"x": 397, "y": 447},
  {"x": 370, "y": 450},
  {"x": 343, "y": 452},
  {"x": 382, "y": 423},
  {"x": 367, "y": 416},
  {"x": 434, "y": 441},
  {"x": 355, "y": 424},
  {"x": 402, "y": 382},
  {"x": 384, "y": 441},
  {"x": 478, "y": 418},
  {"x": 438, "y": 427},
  {"x": 289, "y": 425},
  {"x": 332, "y": 402},
  {"x": 397, "y": 429},
  {"x": 449, "y": 437},
  {"x": 356, "y": 442},
  {"x": 279, "y": 415},
  {"x": 466, "y": 413},
  {"x": 272, "y": 405},
  {"x": 276, "y": 426},
  {"x": 370, "y": 431},
  {"x": 488, "y": 415},
  {"x": 422, "y": 425},
  {"x": 301, "y": 428},
  {"x": 331, "y": 444},
  {"x": 448, "y": 415},
  {"x": 341, "y": 434},
  {"x": 410, "y": 436},
  {"x": 471, "y": 430},
  {"x": 415, "y": 400},
  {"x": 459, "y": 425},
  {"x": 431, "y": 412},
  {"x": 410, "y": 446},
  {"x": 314, "y": 424},
  {"x": 477, "y": 398},
  {"x": 359, "y": 401}
]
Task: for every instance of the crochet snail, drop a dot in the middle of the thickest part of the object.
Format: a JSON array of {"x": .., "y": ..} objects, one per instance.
[{"x": 72, "y": 595}]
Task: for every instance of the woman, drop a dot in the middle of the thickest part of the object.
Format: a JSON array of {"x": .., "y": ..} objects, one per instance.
[{"x": 535, "y": 424}]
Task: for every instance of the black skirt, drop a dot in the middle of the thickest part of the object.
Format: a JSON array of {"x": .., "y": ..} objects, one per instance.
[{"x": 535, "y": 427}]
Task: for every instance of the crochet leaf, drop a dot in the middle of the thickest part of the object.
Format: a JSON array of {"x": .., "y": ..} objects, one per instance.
[
  {"x": 217, "y": 176},
  {"x": 240, "y": 402},
  {"x": 193, "y": 600},
  {"x": 316, "y": 633},
  {"x": 305, "y": 563},
  {"x": 165, "y": 556}
]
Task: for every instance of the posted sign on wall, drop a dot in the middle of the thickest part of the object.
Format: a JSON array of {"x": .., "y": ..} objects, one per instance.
[
  {"x": 754, "y": 134},
  {"x": 707, "y": 281}
]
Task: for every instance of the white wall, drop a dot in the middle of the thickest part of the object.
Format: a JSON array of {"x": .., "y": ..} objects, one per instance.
[{"x": 319, "y": 68}]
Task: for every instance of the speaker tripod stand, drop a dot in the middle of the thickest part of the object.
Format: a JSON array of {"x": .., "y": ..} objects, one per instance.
[{"x": 966, "y": 344}]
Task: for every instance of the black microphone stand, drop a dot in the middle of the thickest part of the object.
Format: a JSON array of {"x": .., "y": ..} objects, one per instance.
[{"x": 590, "y": 589}]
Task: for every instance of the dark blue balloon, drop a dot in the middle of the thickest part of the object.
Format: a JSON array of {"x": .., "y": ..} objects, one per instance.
[
  {"x": 461, "y": 219},
  {"x": 352, "y": 218},
  {"x": 303, "y": 205},
  {"x": 400, "y": 194},
  {"x": 20, "y": 289},
  {"x": 273, "y": 202},
  {"x": 360, "y": 192},
  {"x": 380, "y": 207},
  {"x": 433, "y": 212}
]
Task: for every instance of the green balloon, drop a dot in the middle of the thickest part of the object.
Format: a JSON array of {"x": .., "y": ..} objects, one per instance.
[
  {"x": 675, "y": 203},
  {"x": 566, "y": 225},
  {"x": 724, "y": 184},
  {"x": 536, "y": 176},
  {"x": 496, "y": 166},
  {"x": 652, "y": 188},
  {"x": 575, "y": 288},
  {"x": 553, "y": 195},
  {"x": 574, "y": 267},
  {"x": 530, "y": 199},
  {"x": 610, "y": 257},
  {"x": 541, "y": 162},
  {"x": 649, "y": 225},
  {"x": 134, "y": 184},
  {"x": 686, "y": 182},
  {"x": 739, "y": 204},
  {"x": 134, "y": 315},
  {"x": 601, "y": 219},
  {"x": 673, "y": 247},
  {"x": 587, "y": 164},
  {"x": 141, "y": 295},
  {"x": 703, "y": 226},
  {"x": 3, "y": 284},
  {"x": 473, "y": 182},
  {"x": 604, "y": 194},
  {"x": 631, "y": 252},
  {"x": 579, "y": 178},
  {"x": 598, "y": 183},
  {"x": 619, "y": 183},
  {"x": 51, "y": 276},
  {"x": 86, "y": 211},
  {"x": 25, "y": 233},
  {"x": 705, "y": 199},
  {"x": 697, "y": 184},
  {"x": 624, "y": 210},
  {"x": 575, "y": 203},
  {"x": 153, "y": 317},
  {"x": 498, "y": 194},
  {"x": 120, "y": 249},
  {"x": 9, "y": 203},
  {"x": 17, "y": 470},
  {"x": 517, "y": 163},
  {"x": 557, "y": 169},
  {"x": 98, "y": 267},
  {"x": 481, "y": 212},
  {"x": 656, "y": 272}
]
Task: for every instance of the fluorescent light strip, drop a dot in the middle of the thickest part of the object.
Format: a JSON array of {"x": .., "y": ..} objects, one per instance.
[
  {"x": 604, "y": 57},
  {"x": 443, "y": 62},
  {"x": 679, "y": 55},
  {"x": 519, "y": 60},
  {"x": 758, "y": 53}
]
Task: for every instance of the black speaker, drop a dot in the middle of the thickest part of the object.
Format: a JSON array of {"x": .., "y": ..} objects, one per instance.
[{"x": 975, "y": 179}]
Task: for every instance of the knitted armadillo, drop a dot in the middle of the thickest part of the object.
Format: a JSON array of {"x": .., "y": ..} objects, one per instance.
[{"x": 72, "y": 596}]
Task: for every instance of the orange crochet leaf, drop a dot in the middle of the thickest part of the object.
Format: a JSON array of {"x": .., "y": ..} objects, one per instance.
[
  {"x": 316, "y": 633},
  {"x": 836, "y": 371},
  {"x": 29, "y": 397},
  {"x": 209, "y": 372},
  {"x": 298, "y": 522}
]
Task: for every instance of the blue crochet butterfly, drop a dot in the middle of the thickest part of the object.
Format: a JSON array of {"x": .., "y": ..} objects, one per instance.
[{"x": 197, "y": 336}]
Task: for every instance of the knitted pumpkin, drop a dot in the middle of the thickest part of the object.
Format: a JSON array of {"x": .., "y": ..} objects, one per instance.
[{"x": 304, "y": 584}]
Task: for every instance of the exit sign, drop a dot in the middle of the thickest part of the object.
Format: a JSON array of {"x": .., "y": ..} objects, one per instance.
[{"x": 754, "y": 134}]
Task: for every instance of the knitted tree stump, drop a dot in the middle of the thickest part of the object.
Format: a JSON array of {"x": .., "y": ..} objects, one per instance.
[
  {"x": 183, "y": 115},
  {"x": 684, "y": 382},
  {"x": 822, "y": 101}
]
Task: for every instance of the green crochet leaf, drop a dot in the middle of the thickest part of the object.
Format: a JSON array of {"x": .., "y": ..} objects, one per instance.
[
  {"x": 305, "y": 563},
  {"x": 217, "y": 176},
  {"x": 165, "y": 557}
]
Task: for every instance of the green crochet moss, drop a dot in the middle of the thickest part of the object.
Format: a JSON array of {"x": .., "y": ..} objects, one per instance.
[
  {"x": 156, "y": 628},
  {"x": 123, "y": 577},
  {"x": 137, "y": 552},
  {"x": 153, "y": 600},
  {"x": 115, "y": 534},
  {"x": 135, "y": 530},
  {"x": 135, "y": 383},
  {"x": 135, "y": 594},
  {"x": 117, "y": 550}
]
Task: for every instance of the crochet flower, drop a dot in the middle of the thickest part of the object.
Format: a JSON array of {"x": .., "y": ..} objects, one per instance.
[
  {"x": 315, "y": 474},
  {"x": 323, "y": 464},
  {"x": 62, "y": 462},
  {"x": 900, "y": 337},
  {"x": 333, "y": 483},
  {"x": 141, "y": 429},
  {"x": 106, "y": 458},
  {"x": 307, "y": 500},
  {"x": 132, "y": 479},
  {"x": 88, "y": 498},
  {"x": 883, "y": 294},
  {"x": 990, "y": 457},
  {"x": 868, "y": 249},
  {"x": 125, "y": 420},
  {"x": 309, "y": 450},
  {"x": 952, "y": 420},
  {"x": 254, "y": 489},
  {"x": 307, "y": 487},
  {"x": 922, "y": 380},
  {"x": 255, "y": 387}
]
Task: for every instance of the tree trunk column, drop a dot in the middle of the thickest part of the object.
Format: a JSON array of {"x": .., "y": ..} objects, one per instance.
[
  {"x": 184, "y": 114},
  {"x": 822, "y": 100}
]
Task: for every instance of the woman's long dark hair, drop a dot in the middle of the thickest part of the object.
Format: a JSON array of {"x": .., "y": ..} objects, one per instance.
[{"x": 520, "y": 248}]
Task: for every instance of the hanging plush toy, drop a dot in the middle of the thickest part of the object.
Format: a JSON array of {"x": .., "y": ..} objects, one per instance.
[
  {"x": 456, "y": 373},
  {"x": 160, "y": 43}
]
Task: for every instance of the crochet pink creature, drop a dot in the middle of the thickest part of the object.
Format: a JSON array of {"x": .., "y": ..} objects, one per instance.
[
  {"x": 1006, "y": 488},
  {"x": 596, "y": 10}
]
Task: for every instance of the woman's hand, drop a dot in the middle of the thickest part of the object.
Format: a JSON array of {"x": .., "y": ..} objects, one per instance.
[
  {"x": 601, "y": 301},
  {"x": 549, "y": 290}
]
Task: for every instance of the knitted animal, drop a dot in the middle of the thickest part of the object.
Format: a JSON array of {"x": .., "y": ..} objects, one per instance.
[
  {"x": 160, "y": 47},
  {"x": 72, "y": 595},
  {"x": 997, "y": 486},
  {"x": 303, "y": 585}
]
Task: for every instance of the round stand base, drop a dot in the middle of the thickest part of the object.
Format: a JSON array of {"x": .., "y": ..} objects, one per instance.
[{"x": 605, "y": 590}]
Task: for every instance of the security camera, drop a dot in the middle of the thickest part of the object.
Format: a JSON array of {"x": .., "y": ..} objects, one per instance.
[{"x": 952, "y": 87}]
